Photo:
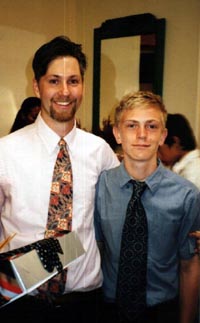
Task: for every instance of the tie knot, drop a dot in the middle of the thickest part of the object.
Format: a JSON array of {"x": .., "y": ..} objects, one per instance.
[
  {"x": 138, "y": 187},
  {"x": 62, "y": 142}
]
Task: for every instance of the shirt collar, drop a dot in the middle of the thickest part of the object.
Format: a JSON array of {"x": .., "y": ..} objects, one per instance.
[
  {"x": 50, "y": 138},
  {"x": 152, "y": 181},
  {"x": 124, "y": 177}
]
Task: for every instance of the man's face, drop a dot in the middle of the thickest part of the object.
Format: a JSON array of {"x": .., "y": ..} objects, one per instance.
[
  {"x": 169, "y": 155},
  {"x": 31, "y": 117},
  {"x": 60, "y": 89},
  {"x": 141, "y": 132}
]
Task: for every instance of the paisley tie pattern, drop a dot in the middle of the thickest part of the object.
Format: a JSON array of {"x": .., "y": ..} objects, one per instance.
[
  {"x": 59, "y": 216},
  {"x": 59, "y": 222},
  {"x": 60, "y": 204},
  {"x": 131, "y": 287}
]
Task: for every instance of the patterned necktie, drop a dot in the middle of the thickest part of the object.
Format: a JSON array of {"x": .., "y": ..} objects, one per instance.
[
  {"x": 59, "y": 215},
  {"x": 131, "y": 287},
  {"x": 60, "y": 204}
]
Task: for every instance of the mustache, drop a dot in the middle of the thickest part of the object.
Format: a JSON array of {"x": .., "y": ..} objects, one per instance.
[{"x": 63, "y": 98}]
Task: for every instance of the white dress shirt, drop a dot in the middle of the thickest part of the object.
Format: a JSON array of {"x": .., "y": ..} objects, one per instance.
[
  {"x": 189, "y": 167},
  {"x": 27, "y": 159}
]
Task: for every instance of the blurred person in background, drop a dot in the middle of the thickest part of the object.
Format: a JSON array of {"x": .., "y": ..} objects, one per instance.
[
  {"x": 179, "y": 151},
  {"x": 27, "y": 113}
]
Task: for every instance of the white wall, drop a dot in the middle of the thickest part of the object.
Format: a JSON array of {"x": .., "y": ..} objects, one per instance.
[
  {"x": 26, "y": 24},
  {"x": 181, "y": 48}
]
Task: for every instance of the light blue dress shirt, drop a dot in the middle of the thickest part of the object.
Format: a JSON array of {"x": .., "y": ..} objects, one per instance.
[{"x": 172, "y": 206}]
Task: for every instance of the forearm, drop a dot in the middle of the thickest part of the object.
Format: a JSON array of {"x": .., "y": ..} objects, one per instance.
[{"x": 189, "y": 289}]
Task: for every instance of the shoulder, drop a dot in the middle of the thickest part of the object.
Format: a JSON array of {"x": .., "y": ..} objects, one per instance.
[
  {"x": 108, "y": 182},
  {"x": 18, "y": 134},
  {"x": 86, "y": 137},
  {"x": 18, "y": 140},
  {"x": 92, "y": 143},
  {"x": 110, "y": 177},
  {"x": 113, "y": 184},
  {"x": 170, "y": 182},
  {"x": 179, "y": 183}
]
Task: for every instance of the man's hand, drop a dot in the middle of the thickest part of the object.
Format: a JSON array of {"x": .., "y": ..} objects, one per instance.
[{"x": 196, "y": 234}]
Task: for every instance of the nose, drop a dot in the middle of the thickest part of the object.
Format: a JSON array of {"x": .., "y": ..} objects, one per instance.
[
  {"x": 141, "y": 133},
  {"x": 64, "y": 88}
]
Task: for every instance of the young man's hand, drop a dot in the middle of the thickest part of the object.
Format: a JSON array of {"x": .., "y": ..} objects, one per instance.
[{"x": 196, "y": 234}]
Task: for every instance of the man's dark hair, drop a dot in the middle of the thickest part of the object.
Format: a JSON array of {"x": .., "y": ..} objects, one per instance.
[
  {"x": 179, "y": 126},
  {"x": 58, "y": 47}
]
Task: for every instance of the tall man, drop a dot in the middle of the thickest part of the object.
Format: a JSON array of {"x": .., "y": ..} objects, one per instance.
[{"x": 27, "y": 159}]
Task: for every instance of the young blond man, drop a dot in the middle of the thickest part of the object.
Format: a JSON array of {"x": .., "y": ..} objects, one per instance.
[{"x": 171, "y": 204}]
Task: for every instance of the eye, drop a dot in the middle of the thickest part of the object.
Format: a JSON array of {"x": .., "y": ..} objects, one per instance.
[
  {"x": 131, "y": 125},
  {"x": 53, "y": 81},
  {"x": 74, "y": 81},
  {"x": 152, "y": 126}
]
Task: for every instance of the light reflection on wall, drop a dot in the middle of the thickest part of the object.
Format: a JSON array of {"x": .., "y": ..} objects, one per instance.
[{"x": 119, "y": 71}]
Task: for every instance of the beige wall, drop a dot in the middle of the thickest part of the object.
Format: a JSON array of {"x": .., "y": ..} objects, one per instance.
[{"x": 26, "y": 24}]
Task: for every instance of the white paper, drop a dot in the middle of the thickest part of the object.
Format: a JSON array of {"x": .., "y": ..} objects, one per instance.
[{"x": 29, "y": 270}]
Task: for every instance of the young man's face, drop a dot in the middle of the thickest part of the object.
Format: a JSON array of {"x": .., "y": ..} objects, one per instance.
[
  {"x": 60, "y": 89},
  {"x": 141, "y": 132}
]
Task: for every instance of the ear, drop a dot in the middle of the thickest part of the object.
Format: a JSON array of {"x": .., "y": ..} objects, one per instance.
[
  {"x": 36, "y": 88},
  {"x": 116, "y": 134},
  {"x": 163, "y": 137}
]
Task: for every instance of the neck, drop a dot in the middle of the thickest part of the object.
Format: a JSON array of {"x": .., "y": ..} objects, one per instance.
[
  {"x": 61, "y": 128},
  {"x": 140, "y": 170}
]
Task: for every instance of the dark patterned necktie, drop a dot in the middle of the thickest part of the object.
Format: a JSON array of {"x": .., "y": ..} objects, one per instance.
[
  {"x": 131, "y": 287},
  {"x": 59, "y": 215}
]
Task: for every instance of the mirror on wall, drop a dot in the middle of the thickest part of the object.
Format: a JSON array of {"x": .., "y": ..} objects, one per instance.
[{"x": 128, "y": 55}]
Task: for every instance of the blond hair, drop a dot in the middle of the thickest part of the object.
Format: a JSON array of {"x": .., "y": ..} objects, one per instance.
[{"x": 140, "y": 99}]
